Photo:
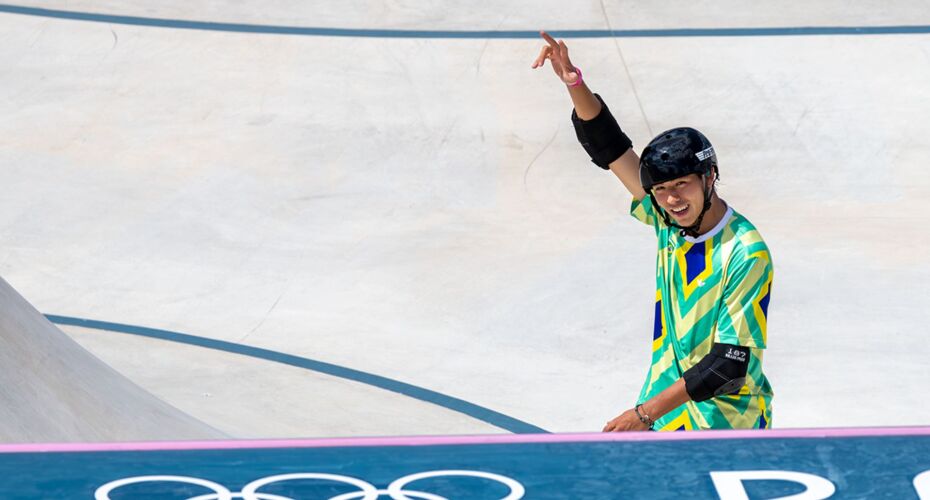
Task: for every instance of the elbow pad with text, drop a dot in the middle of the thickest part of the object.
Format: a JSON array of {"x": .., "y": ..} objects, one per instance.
[{"x": 722, "y": 371}]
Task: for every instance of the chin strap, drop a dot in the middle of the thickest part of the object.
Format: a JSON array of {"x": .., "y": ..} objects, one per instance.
[{"x": 691, "y": 230}]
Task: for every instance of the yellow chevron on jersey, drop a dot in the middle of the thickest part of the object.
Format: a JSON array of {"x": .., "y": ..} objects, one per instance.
[
  {"x": 765, "y": 418},
  {"x": 761, "y": 304},
  {"x": 680, "y": 423},
  {"x": 714, "y": 288}
]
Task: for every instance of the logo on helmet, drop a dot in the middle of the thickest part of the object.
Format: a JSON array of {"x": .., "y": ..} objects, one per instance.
[{"x": 705, "y": 154}]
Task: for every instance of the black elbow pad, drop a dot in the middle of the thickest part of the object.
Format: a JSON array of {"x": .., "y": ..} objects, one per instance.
[
  {"x": 722, "y": 371},
  {"x": 601, "y": 136}
]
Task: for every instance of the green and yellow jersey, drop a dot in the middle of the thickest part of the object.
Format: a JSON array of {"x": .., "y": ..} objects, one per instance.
[{"x": 711, "y": 289}]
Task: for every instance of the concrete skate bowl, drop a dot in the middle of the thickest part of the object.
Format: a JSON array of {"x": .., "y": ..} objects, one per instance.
[
  {"x": 52, "y": 390},
  {"x": 189, "y": 171}
]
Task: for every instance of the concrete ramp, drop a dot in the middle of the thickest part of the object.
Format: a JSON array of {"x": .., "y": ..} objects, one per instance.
[{"x": 51, "y": 389}]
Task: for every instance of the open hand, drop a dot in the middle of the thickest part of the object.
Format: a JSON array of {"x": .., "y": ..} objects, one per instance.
[{"x": 557, "y": 54}]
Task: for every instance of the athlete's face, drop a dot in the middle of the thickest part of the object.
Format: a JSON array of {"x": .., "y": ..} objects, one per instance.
[{"x": 682, "y": 198}]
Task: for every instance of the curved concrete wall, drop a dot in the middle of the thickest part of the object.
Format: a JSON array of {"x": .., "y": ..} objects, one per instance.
[{"x": 51, "y": 389}]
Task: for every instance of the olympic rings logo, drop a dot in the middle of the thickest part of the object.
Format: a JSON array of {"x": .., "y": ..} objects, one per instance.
[{"x": 366, "y": 491}]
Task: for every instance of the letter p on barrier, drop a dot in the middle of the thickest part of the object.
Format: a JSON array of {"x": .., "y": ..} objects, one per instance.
[{"x": 729, "y": 484}]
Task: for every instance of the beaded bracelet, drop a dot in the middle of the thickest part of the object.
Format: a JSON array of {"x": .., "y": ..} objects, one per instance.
[{"x": 643, "y": 417}]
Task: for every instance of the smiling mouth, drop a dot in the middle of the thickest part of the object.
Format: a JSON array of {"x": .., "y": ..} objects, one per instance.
[{"x": 680, "y": 211}]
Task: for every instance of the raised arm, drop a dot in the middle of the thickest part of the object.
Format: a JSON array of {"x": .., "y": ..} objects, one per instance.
[{"x": 588, "y": 109}]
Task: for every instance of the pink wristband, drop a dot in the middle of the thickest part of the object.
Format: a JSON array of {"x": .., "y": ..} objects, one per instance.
[{"x": 579, "y": 80}]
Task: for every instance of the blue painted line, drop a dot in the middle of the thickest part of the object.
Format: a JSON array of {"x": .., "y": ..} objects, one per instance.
[
  {"x": 472, "y": 410},
  {"x": 451, "y": 34}
]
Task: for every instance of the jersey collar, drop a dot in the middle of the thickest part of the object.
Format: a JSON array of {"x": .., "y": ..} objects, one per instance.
[{"x": 713, "y": 232}]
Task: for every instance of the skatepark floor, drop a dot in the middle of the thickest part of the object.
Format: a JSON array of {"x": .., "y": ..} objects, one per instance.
[{"x": 301, "y": 220}]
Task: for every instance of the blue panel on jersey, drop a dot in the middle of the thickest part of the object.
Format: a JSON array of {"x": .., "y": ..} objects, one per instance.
[
  {"x": 764, "y": 303},
  {"x": 657, "y": 328},
  {"x": 695, "y": 260}
]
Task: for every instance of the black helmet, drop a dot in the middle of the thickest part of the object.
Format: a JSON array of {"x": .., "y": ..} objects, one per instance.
[{"x": 676, "y": 153}]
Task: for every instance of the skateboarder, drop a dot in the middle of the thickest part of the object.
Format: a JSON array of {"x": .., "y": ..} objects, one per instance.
[{"x": 713, "y": 272}]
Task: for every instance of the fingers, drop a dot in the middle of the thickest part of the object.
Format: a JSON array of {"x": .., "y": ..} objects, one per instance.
[
  {"x": 559, "y": 52},
  {"x": 556, "y": 46},
  {"x": 564, "y": 54},
  {"x": 624, "y": 423},
  {"x": 551, "y": 41},
  {"x": 570, "y": 75},
  {"x": 543, "y": 55}
]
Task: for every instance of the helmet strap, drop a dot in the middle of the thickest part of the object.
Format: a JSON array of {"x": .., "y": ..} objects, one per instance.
[
  {"x": 665, "y": 217},
  {"x": 693, "y": 229}
]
